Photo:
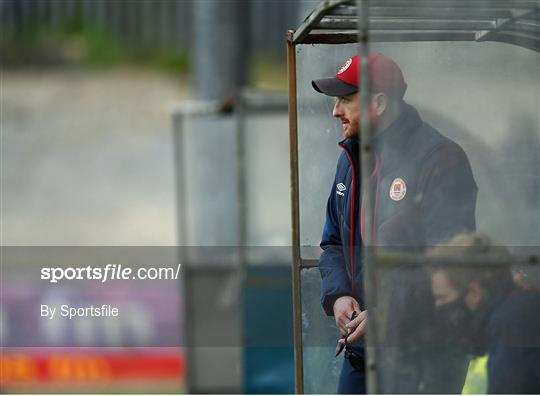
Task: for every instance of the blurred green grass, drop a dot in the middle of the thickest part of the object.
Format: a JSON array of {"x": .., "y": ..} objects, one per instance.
[
  {"x": 267, "y": 73},
  {"x": 79, "y": 44},
  {"x": 75, "y": 43}
]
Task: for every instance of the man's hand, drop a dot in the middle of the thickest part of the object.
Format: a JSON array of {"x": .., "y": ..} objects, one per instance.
[
  {"x": 356, "y": 328},
  {"x": 343, "y": 309}
]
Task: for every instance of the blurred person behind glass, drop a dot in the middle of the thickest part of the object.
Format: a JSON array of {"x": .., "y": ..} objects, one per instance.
[{"x": 483, "y": 306}]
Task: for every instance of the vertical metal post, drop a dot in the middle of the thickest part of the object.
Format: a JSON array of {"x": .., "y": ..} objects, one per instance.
[
  {"x": 240, "y": 109},
  {"x": 240, "y": 112},
  {"x": 295, "y": 221},
  {"x": 148, "y": 23},
  {"x": 179, "y": 166},
  {"x": 367, "y": 163},
  {"x": 42, "y": 12},
  {"x": 70, "y": 9},
  {"x": 86, "y": 13},
  {"x": 165, "y": 24},
  {"x": 100, "y": 14},
  {"x": 181, "y": 197},
  {"x": 220, "y": 47},
  {"x": 57, "y": 13},
  {"x": 116, "y": 20},
  {"x": 131, "y": 8}
]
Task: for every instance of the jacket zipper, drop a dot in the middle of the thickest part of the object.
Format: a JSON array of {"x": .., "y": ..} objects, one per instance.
[
  {"x": 352, "y": 258},
  {"x": 352, "y": 215}
]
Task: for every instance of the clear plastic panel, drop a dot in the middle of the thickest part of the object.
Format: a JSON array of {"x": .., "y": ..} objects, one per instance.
[
  {"x": 482, "y": 96},
  {"x": 319, "y": 334},
  {"x": 209, "y": 164},
  {"x": 211, "y": 218},
  {"x": 213, "y": 360},
  {"x": 268, "y": 179},
  {"x": 440, "y": 344},
  {"x": 465, "y": 314},
  {"x": 469, "y": 92},
  {"x": 318, "y": 135},
  {"x": 210, "y": 139}
]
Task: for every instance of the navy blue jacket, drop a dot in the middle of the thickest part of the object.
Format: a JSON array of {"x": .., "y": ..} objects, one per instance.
[
  {"x": 435, "y": 199},
  {"x": 508, "y": 330}
]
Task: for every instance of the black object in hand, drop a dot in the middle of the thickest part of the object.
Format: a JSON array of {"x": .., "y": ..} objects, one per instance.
[{"x": 340, "y": 346}]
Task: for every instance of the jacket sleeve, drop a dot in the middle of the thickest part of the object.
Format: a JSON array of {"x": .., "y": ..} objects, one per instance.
[
  {"x": 514, "y": 347},
  {"x": 513, "y": 370},
  {"x": 335, "y": 280},
  {"x": 449, "y": 202}
]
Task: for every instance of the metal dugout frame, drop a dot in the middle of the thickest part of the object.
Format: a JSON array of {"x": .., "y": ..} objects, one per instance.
[
  {"x": 515, "y": 22},
  {"x": 244, "y": 104}
]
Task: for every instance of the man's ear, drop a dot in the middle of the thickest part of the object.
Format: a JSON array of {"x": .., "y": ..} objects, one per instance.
[{"x": 381, "y": 102}]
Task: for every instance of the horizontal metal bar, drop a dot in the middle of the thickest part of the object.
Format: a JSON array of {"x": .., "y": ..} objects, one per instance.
[
  {"x": 345, "y": 37},
  {"x": 309, "y": 263},
  {"x": 344, "y": 10},
  {"x": 253, "y": 102},
  {"x": 334, "y": 37},
  {"x": 263, "y": 102},
  {"x": 427, "y": 20},
  {"x": 319, "y": 12},
  {"x": 407, "y": 24},
  {"x": 196, "y": 107},
  {"x": 502, "y": 24},
  {"x": 530, "y": 42},
  {"x": 523, "y": 26},
  {"x": 413, "y": 36},
  {"x": 526, "y": 41},
  {"x": 459, "y": 3},
  {"x": 444, "y": 12},
  {"x": 464, "y": 260},
  {"x": 414, "y": 11},
  {"x": 419, "y": 260}
]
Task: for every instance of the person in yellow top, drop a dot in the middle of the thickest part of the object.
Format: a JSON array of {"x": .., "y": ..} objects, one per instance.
[{"x": 495, "y": 315}]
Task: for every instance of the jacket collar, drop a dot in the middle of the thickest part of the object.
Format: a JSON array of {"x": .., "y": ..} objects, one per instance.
[
  {"x": 399, "y": 132},
  {"x": 392, "y": 139}
]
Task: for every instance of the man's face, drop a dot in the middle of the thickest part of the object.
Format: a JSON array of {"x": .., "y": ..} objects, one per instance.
[
  {"x": 452, "y": 316},
  {"x": 443, "y": 291},
  {"x": 347, "y": 109}
]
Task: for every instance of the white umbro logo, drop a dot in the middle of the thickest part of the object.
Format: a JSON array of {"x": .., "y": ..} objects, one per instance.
[{"x": 340, "y": 188}]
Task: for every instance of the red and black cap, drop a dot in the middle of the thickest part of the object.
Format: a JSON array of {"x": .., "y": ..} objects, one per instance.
[{"x": 385, "y": 75}]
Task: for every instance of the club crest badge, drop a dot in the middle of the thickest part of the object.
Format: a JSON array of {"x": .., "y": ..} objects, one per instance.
[{"x": 398, "y": 189}]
